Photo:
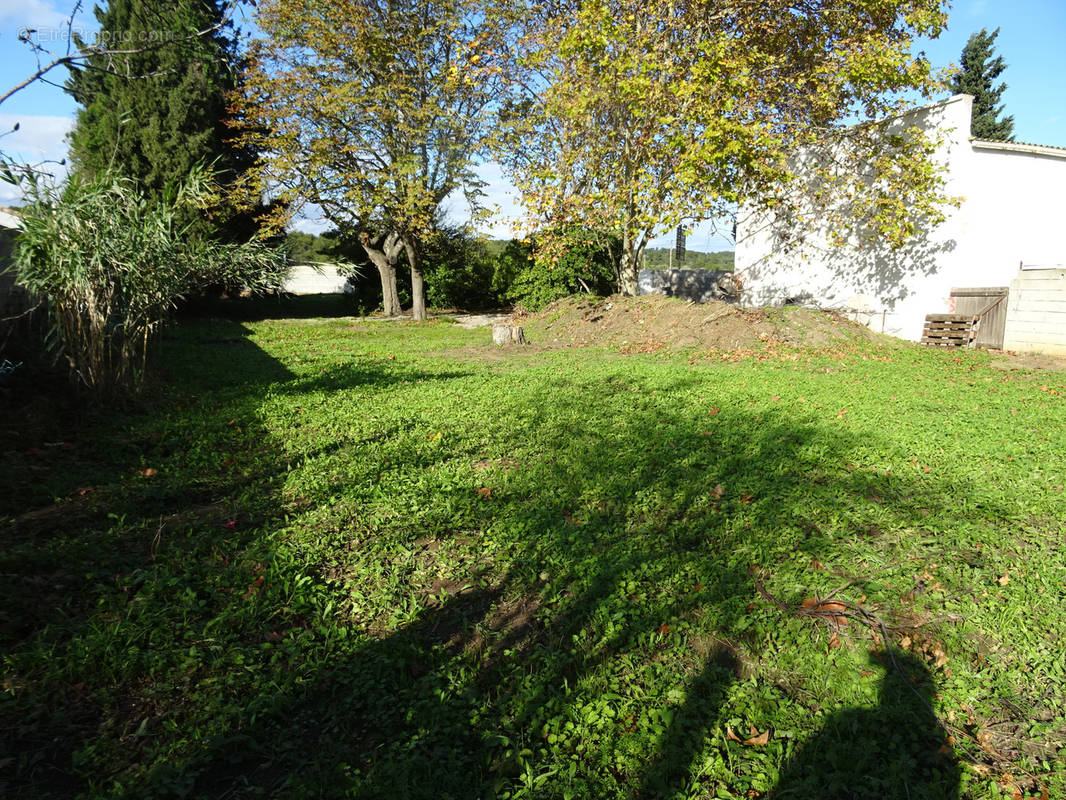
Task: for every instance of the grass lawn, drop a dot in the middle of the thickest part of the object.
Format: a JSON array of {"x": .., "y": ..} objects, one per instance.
[{"x": 377, "y": 559}]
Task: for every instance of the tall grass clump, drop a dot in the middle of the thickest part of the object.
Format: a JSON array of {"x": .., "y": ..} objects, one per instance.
[{"x": 111, "y": 263}]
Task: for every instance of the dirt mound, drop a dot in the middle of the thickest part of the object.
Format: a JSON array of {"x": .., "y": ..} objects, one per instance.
[{"x": 654, "y": 322}]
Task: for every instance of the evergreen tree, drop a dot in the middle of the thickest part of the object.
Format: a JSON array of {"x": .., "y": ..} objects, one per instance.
[
  {"x": 980, "y": 68},
  {"x": 153, "y": 115}
]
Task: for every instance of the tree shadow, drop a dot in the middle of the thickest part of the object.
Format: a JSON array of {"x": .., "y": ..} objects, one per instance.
[
  {"x": 280, "y": 306},
  {"x": 897, "y": 749},
  {"x": 472, "y": 696},
  {"x": 168, "y": 505}
]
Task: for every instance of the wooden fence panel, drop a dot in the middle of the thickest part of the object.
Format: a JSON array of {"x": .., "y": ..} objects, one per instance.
[{"x": 989, "y": 303}]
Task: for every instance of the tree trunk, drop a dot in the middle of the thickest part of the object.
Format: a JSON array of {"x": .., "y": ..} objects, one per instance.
[
  {"x": 418, "y": 291},
  {"x": 390, "y": 297},
  {"x": 627, "y": 272},
  {"x": 383, "y": 253}
]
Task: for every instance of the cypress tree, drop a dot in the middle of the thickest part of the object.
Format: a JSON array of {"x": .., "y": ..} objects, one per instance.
[
  {"x": 153, "y": 115},
  {"x": 980, "y": 68}
]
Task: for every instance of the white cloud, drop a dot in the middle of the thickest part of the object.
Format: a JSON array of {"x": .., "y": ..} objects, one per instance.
[
  {"x": 500, "y": 197},
  {"x": 308, "y": 224},
  {"x": 39, "y": 137},
  {"x": 40, "y": 140},
  {"x": 48, "y": 19}
]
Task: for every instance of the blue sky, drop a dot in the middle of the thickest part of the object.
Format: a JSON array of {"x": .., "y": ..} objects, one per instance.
[{"x": 1032, "y": 40}]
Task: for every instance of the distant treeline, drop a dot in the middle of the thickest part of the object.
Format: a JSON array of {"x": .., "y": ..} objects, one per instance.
[{"x": 659, "y": 258}]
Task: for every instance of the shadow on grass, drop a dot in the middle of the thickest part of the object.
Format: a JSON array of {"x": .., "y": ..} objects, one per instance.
[
  {"x": 249, "y": 309},
  {"x": 582, "y": 641},
  {"x": 904, "y": 750},
  {"x": 474, "y": 696}
]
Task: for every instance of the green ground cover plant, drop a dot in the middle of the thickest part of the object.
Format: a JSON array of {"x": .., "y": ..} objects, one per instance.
[{"x": 376, "y": 559}]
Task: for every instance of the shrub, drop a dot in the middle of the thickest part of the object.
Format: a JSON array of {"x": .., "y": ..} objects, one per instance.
[
  {"x": 111, "y": 264},
  {"x": 458, "y": 270},
  {"x": 566, "y": 262}
]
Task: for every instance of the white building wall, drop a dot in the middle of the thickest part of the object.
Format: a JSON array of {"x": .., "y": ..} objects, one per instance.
[{"x": 1012, "y": 212}]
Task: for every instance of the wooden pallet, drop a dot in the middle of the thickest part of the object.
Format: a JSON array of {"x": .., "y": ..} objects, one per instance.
[{"x": 950, "y": 330}]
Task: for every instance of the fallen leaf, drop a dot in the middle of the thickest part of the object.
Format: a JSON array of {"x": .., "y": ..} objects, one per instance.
[
  {"x": 834, "y": 641},
  {"x": 712, "y": 412},
  {"x": 717, "y": 491},
  {"x": 905, "y": 642},
  {"x": 758, "y": 739},
  {"x": 484, "y": 492},
  {"x": 1003, "y": 579},
  {"x": 940, "y": 658},
  {"x": 148, "y": 472},
  {"x": 730, "y": 735},
  {"x": 816, "y": 564}
]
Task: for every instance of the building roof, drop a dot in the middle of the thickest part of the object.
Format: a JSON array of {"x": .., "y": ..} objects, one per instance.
[{"x": 1020, "y": 147}]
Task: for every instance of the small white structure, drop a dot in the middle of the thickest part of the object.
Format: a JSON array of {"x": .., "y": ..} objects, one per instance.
[
  {"x": 1011, "y": 222},
  {"x": 13, "y": 298},
  {"x": 315, "y": 279}
]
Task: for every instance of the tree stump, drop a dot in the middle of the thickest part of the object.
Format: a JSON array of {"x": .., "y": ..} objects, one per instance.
[{"x": 507, "y": 334}]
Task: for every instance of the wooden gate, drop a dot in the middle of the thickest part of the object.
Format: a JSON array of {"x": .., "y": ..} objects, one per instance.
[{"x": 989, "y": 305}]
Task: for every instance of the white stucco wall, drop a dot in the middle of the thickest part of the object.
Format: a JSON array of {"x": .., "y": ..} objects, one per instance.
[
  {"x": 1012, "y": 212},
  {"x": 324, "y": 279}
]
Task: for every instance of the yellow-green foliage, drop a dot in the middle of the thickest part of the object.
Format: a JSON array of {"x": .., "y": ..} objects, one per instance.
[{"x": 644, "y": 115}]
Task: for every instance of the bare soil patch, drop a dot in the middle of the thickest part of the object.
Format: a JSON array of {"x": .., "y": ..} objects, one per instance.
[
  {"x": 655, "y": 322},
  {"x": 1008, "y": 360}
]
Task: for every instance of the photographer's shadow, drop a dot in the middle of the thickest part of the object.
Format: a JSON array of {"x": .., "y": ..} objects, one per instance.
[{"x": 896, "y": 750}]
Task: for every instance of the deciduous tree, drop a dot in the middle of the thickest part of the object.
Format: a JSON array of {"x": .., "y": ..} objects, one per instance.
[
  {"x": 642, "y": 115},
  {"x": 375, "y": 111}
]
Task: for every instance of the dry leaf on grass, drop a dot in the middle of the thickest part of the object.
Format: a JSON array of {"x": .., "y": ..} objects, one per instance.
[
  {"x": 757, "y": 739},
  {"x": 830, "y": 610}
]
